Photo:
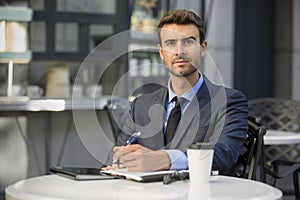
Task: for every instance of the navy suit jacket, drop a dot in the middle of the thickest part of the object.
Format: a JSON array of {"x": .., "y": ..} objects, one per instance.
[{"x": 216, "y": 114}]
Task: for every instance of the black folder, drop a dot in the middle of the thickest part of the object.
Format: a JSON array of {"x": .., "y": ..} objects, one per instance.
[{"x": 80, "y": 173}]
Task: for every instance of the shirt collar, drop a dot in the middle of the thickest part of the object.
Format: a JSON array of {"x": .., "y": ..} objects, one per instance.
[{"x": 190, "y": 94}]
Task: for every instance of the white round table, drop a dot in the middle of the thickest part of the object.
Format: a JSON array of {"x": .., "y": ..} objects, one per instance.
[
  {"x": 276, "y": 137},
  {"x": 54, "y": 187}
]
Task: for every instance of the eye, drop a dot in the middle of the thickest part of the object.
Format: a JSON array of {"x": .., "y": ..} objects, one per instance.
[
  {"x": 188, "y": 41},
  {"x": 170, "y": 43}
]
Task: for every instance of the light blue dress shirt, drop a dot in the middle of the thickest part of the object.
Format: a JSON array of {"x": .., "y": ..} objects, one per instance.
[{"x": 178, "y": 158}]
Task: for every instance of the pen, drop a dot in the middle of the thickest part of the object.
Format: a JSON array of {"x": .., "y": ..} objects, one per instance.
[
  {"x": 133, "y": 138},
  {"x": 130, "y": 141}
]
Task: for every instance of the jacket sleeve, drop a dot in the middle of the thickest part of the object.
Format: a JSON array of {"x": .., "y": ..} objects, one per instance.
[
  {"x": 128, "y": 127},
  {"x": 230, "y": 143}
]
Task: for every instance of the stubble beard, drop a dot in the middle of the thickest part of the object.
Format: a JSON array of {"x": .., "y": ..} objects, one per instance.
[{"x": 191, "y": 70}]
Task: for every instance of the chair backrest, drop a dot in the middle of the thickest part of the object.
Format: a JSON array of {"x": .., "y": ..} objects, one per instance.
[
  {"x": 247, "y": 163},
  {"x": 278, "y": 114},
  {"x": 145, "y": 88},
  {"x": 117, "y": 112}
]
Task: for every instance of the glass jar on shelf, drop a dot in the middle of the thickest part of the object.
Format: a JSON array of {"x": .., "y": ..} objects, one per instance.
[
  {"x": 142, "y": 15},
  {"x": 13, "y": 79}
]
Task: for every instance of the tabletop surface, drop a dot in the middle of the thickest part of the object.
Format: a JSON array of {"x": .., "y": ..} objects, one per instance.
[
  {"x": 58, "y": 188},
  {"x": 277, "y": 137}
]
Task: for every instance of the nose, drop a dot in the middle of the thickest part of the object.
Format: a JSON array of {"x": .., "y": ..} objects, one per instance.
[{"x": 179, "y": 50}]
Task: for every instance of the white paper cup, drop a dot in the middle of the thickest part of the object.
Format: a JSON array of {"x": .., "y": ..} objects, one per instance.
[{"x": 200, "y": 157}]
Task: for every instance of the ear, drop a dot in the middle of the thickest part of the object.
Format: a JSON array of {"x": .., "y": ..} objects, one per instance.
[
  {"x": 160, "y": 51},
  {"x": 203, "y": 48}
]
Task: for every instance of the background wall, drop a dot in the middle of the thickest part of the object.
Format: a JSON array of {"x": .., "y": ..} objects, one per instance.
[
  {"x": 296, "y": 51},
  {"x": 219, "y": 62}
]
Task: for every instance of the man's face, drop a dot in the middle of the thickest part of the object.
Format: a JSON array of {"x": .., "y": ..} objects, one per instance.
[{"x": 180, "y": 49}]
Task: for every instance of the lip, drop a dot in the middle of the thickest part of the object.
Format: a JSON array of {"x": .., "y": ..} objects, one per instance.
[{"x": 180, "y": 62}]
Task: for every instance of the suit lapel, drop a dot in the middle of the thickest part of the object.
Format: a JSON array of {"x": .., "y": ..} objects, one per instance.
[
  {"x": 198, "y": 102},
  {"x": 160, "y": 99}
]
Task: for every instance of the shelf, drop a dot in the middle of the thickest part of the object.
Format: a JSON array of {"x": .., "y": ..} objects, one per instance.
[
  {"x": 16, "y": 57},
  {"x": 24, "y": 103},
  {"x": 15, "y": 14},
  {"x": 143, "y": 47}
]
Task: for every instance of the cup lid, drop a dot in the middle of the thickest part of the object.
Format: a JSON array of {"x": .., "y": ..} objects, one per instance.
[{"x": 201, "y": 145}]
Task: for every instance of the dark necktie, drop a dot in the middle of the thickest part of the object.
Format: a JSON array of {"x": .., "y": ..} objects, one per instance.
[{"x": 173, "y": 120}]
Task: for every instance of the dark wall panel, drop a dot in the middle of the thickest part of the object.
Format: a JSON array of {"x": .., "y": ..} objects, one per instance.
[{"x": 253, "y": 67}]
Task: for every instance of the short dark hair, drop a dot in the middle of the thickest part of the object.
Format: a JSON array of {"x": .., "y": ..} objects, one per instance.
[{"x": 182, "y": 17}]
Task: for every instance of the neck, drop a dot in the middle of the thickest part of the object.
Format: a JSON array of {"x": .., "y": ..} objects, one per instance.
[{"x": 180, "y": 85}]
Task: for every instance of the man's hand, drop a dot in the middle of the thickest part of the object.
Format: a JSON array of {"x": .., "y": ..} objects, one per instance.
[{"x": 138, "y": 158}]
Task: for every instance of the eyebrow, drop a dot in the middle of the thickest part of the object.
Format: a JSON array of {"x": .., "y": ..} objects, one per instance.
[
  {"x": 191, "y": 37},
  {"x": 171, "y": 40}
]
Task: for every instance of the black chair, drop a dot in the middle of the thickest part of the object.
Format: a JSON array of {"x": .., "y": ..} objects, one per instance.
[
  {"x": 293, "y": 169},
  {"x": 280, "y": 114},
  {"x": 146, "y": 88},
  {"x": 248, "y": 161},
  {"x": 117, "y": 111}
]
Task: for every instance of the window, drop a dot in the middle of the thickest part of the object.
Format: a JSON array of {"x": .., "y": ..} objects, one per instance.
[{"x": 69, "y": 29}]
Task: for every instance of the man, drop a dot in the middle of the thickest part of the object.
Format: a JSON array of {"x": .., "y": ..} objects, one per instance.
[{"x": 209, "y": 113}]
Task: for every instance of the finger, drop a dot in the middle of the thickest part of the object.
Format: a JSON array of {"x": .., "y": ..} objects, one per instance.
[
  {"x": 134, "y": 166},
  {"x": 128, "y": 165},
  {"x": 116, "y": 148},
  {"x": 107, "y": 168},
  {"x": 119, "y": 152},
  {"x": 121, "y": 166},
  {"x": 128, "y": 157},
  {"x": 115, "y": 166},
  {"x": 135, "y": 169},
  {"x": 133, "y": 147},
  {"x": 123, "y": 150},
  {"x": 130, "y": 148}
]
